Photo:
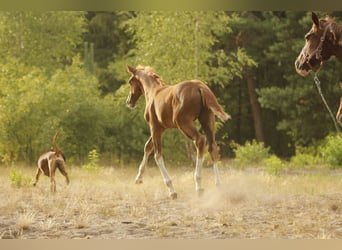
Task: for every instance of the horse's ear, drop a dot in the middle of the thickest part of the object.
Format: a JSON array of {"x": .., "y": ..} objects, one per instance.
[
  {"x": 131, "y": 69},
  {"x": 315, "y": 19}
]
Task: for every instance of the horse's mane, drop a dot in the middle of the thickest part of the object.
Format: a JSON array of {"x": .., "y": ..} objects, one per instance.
[
  {"x": 337, "y": 29},
  {"x": 151, "y": 72},
  {"x": 328, "y": 19},
  {"x": 323, "y": 22}
]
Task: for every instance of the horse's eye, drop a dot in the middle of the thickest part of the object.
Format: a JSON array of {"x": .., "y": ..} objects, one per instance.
[{"x": 307, "y": 36}]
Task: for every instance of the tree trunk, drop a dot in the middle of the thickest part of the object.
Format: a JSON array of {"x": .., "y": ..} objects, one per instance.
[{"x": 255, "y": 106}]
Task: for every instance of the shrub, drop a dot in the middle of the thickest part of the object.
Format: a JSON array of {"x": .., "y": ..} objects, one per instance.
[
  {"x": 301, "y": 160},
  {"x": 252, "y": 153},
  {"x": 92, "y": 166},
  {"x": 273, "y": 165},
  {"x": 306, "y": 156},
  {"x": 331, "y": 151},
  {"x": 18, "y": 179}
]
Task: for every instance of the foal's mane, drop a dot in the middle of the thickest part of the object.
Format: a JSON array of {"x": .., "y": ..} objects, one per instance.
[{"x": 148, "y": 70}]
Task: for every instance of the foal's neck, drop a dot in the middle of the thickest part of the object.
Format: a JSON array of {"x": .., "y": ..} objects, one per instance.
[{"x": 150, "y": 87}]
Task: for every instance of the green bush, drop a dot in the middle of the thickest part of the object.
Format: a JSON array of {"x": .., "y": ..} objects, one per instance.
[
  {"x": 273, "y": 165},
  {"x": 301, "y": 160},
  {"x": 331, "y": 151},
  {"x": 92, "y": 166},
  {"x": 252, "y": 153},
  {"x": 18, "y": 179}
]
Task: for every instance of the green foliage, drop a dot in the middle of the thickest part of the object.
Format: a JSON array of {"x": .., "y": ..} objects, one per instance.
[
  {"x": 183, "y": 55},
  {"x": 251, "y": 153},
  {"x": 20, "y": 96},
  {"x": 93, "y": 165},
  {"x": 41, "y": 39},
  {"x": 111, "y": 44},
  {"x": 33, "y": 107},
  {"x": 18, "y": 179},
  {"x": 273, "y": 165},
  {"x": 302, "y": 160},
  {"x": 305, "y": 157},
  {"x": 189, "y": 54},
  {"x": 331, "y": 151},
  {"x": 93, "y": 157}
]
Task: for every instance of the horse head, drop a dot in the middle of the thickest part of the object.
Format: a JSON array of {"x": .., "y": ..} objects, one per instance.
[
  {"x": 320, "y": 45},
  {"x": 136, "y": 89},
  {"x": 142, "y": 80}
]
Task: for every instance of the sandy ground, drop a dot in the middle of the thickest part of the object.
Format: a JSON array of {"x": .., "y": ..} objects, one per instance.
[{"x": 108, "y": 205}]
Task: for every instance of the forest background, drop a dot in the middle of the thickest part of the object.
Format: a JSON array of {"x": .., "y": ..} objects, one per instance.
[{"x": 66, "y": 70}]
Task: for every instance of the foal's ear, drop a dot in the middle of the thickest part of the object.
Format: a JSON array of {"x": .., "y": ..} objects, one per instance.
[
  {"x": 131, "y": 69},
  {"x": 315, "y": 19}
]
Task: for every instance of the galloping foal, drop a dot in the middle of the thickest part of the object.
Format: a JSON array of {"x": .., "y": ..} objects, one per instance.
[{"x": 176, "y": 106}]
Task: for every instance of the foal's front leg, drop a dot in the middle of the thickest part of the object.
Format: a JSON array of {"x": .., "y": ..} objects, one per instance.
[{"x": 147, "y": 151}]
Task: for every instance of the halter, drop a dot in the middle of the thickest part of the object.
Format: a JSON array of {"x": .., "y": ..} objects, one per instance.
[
  {"x": 318, "y": 85},
  {"x": 318, "y": 51}
]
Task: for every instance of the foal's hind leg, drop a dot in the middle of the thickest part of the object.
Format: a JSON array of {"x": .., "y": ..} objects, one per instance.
[
  {"x": 61, "y": 168},
  {"x": 190, "y": 131},
  {"x": 52, "y": 176},
  {"x": 207, "y": 121},
  {"x": 38, "y": 173},
  {"x": 147, "y": 151},
  {"x": 157, "y": 144}
]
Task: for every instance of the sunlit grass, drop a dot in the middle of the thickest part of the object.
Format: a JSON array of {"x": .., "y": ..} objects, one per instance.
[{"x": 108, "y": 200}]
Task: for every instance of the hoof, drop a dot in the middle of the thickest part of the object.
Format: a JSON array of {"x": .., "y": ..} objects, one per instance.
[
  {"x": 138, "y": 181},
  {"x": 173, "y": 196},
  {"x": 200, "y": 192}
]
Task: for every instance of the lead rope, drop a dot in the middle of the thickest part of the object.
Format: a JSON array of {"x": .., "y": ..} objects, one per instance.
[{"x": 318, "y": 85}]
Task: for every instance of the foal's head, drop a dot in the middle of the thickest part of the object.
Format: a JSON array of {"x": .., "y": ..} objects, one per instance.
[
  {"x": 142, "y": 77},
  {"x": 135, "y": 91},
  {"x": 319, "y": 46}
]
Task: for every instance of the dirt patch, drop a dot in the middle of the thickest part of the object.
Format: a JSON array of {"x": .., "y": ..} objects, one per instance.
[{"x": 108, "y": 205}]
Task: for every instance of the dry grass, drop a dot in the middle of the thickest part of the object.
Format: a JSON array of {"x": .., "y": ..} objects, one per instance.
[{"x": 249, "y": 204}]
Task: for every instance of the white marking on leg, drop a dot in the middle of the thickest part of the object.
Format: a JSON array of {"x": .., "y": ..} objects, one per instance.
[
  {"x": 198, "y": 173},
  {"x": 217, "y": 176},
  {"x": 166, "y": 177},
  {"x": 141, "y": 171}
]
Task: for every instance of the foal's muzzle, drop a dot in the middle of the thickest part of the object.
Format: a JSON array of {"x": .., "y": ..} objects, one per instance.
[{"x": 129, "y": 102}]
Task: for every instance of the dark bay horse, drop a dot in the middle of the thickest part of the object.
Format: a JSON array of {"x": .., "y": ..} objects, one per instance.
[
  {"x": 323, "y": 41},
  {"x": 176, "y": 106}
]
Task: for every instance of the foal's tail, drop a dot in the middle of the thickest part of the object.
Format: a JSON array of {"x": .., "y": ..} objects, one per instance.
[
  {"x": 54, "y": 144},
  {"x": 210, "y": 101}
]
